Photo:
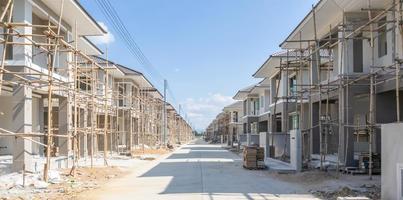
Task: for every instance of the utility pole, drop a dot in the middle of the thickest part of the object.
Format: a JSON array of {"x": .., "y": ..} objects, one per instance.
[
  {"x": 164, "y": 123},
  {"x": 179, "y": 131}
]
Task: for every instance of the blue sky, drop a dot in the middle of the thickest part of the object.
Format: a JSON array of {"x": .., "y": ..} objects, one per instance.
[{"x": 206, "y": 49}]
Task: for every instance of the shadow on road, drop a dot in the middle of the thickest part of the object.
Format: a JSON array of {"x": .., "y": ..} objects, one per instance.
[{"x": 218, "y": 173}]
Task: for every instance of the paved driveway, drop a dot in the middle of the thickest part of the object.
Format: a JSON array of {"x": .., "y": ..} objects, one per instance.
[{"x": 198, "y": 171}]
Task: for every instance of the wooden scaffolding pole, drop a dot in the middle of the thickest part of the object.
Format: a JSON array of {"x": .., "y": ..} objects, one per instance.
[
  {"x": 106, "y": 110},
  {"x": 51, "y": 66},
  {"x": 75, "y": 136}
]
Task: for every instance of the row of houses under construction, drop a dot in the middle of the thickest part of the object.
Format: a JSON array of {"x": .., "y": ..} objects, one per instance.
[
  {"x": 332, "y": 97},
  {"x": 62, "y": 100}
]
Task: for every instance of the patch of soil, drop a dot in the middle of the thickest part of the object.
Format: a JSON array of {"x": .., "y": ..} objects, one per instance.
[
  {"x": 372, "y": 192},
  {"x": 308, "y": 177},
  {"x": 85, "y": 179},
  {"x": 138, "y": 152},
  {"x": 329, "y": 185}
]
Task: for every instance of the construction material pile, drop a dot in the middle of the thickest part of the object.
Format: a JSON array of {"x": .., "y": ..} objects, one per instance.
[{"x": 253, "y": 157}]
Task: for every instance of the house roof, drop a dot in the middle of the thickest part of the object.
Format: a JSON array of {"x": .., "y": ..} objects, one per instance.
[
  {"x": 271, "y": 66},
  {"x": 243, "y": 93},
  {"x": 237, "y": 105},
  {"x": 126, "y": 72},
  {"x": 263, "y": 85},
  {"x": 74, "y": 12},
  {"x": 329, "y": 13},
  {"x": 88, "y": 47}
]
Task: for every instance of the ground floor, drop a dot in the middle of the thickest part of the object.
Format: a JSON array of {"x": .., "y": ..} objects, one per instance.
[{"x": 77, "y": 129}]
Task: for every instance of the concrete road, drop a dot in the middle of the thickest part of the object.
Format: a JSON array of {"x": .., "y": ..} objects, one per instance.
[{"x": 198, "y": 171}]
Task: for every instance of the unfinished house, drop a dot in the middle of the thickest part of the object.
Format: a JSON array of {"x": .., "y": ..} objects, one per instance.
[
  {"x": 218, "y": 130},
  {"x": 176, "y": 127},
  {"x": 354, "y": 90},
  {"x": 39, "y": 42},
  {"x": 60, "y": 101},
  {"x": 223, "y": 120},
  {"x": 284, "y": 103},
  {"x": 209, "y": 133},
  {"x": 127, "y": 109},
  {"x": 235, "y": 122},
  {"x": 255, "y": 113}
]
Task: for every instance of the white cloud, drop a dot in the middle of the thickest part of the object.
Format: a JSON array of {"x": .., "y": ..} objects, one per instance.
[
  {"x": 203, "y": 110},
  {"x": 104, "y": 39},
  {"x": 177, "y": 69}
]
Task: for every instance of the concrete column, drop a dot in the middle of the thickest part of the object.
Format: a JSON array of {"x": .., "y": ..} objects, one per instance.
[
  {"x": 231, "y": 135},
  {"x": 346, "y": 134},
  {"x": 296, "y": 149},
  {"x": 22, "y": 13},
  {"x": 42, "y": 125},
  {"x": 22, "y": 123},
  {"x": 94, "y": 136},
  {"x": 349, "y": 131},
  {"x": 84, "y": 141},
  {"x": 315, "y": 64},
  {"x": 131, "y": 132},
  {"x": 36, "y": 124},
  {"x": 80, "y": 135},
  {"x": 284, "y": 117},
  {"x": 65, "y": 126}
]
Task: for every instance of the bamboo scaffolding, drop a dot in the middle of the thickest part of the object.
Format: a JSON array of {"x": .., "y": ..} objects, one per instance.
[
  {"x": 378, "y": 75},
  {"x": 83, "y": 85}
]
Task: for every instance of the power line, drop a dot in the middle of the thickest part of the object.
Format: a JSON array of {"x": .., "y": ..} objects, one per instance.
[
  {"x": 113, "y": 18},
  {"x": 117, "y": 24}
]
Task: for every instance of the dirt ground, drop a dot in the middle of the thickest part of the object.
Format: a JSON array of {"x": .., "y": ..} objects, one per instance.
[
  {"x": 69, "y": 187},
  {"x": 139, "y": 152},
  {"x": 84, "y": 179},
  {"x": 330, "y": 185}
]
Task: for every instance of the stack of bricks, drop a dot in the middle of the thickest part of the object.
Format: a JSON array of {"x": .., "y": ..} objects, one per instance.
[{"x": 253, "y": 157}]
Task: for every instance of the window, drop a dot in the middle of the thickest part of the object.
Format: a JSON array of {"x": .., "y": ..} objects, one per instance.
[
  {"x": 294, "y": 121},
  {"x": 357, "y": 55},
  {"x": 267, "y": 98},
  {"x": 253, "y": 107},
  {"x": 293, "y": 86},
  {"x": 278, "y": 123},
  {"x": 84, "y": 83},
  {"x": 382, "y": 42},
  {"x": 244, "y": 107},
  {"x": 121, "y": 93},
  {"x": 253, "y": 127},
  {"x": 256, "y": 106},
  {"x": 235, "y": 116}
]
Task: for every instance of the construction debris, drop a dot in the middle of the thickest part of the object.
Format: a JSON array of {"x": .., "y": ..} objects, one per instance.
[
  {"x": 62, "y": 185},
  {"x": 363, "y": 193}
]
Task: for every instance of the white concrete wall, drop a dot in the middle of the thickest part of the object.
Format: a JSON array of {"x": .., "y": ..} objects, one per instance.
[
  {"x": 36, "y": 124},
  {"x": 6, "y": 114},
  {"x": 296, "y": 150},
  {"x": 6, "y": 117},
  {"x": 392, "y": 148},
  {"x": 385, "y": 60},
  {"x": 262, "y": 102}
]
